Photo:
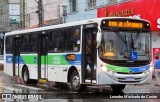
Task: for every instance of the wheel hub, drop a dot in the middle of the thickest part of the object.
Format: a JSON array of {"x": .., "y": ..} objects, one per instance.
[
  {"x": 25, "y": 76},
  {"x": 76, "y": 81}
]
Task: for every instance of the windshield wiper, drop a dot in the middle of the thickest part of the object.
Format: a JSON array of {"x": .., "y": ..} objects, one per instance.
[
  {"x": 136, "y": 37},
  {"x": 121, "y": 37},
  {"x": 133, "y": 41}
]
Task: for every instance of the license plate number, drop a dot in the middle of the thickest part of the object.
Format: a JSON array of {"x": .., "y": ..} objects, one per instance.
[{"x": 130, "y": 79}]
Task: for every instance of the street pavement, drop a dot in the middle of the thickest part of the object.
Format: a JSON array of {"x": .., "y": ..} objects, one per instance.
[{"x": 47, "y": 93}]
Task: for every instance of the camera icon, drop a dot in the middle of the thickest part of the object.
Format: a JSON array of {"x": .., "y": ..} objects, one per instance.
[{"x": 6, "y": 96}]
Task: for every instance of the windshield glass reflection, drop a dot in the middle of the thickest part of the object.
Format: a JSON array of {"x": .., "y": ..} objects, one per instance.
[{"x": 119, "y": 45}]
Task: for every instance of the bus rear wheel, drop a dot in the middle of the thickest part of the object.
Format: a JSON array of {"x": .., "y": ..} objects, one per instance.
[
  {"x": 118, "y": 87},
  {"x": 25, "y": 76},
  {"x": 75, "y": 82}
]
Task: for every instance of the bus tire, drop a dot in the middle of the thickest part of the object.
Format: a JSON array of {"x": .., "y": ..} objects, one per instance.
[
  {"x": 75, "y": 82},
  {"x": 119, "y": 87},
  {"x": 25, "y": 76}
]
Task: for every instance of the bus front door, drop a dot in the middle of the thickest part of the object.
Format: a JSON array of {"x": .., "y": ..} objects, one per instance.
[
  {"x": 16, "y": 56},
  {"x": 89, "y": 55},
  {"x": 43, "y": 57}
]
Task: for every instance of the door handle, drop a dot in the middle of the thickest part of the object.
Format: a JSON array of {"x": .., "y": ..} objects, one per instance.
[{"x": 52, "y": 68}]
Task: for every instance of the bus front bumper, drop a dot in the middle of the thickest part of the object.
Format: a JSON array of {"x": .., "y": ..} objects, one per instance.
[{"x": 124, "y": 78}]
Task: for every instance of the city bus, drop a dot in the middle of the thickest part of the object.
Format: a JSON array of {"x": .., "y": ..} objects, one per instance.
[{"x": 114, "y": 51}]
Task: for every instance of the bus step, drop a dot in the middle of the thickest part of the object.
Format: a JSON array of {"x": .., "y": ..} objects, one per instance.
[
  {"x": 42, "y": 80},
  {"x": 89, "y": 81},
  {"x": 90, "y": 84}
]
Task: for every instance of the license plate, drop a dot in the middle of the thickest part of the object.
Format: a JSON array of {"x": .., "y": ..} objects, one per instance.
[{"x": 130, "y": 79}]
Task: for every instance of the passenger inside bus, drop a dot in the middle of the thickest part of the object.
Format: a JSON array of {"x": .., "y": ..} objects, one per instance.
[
  {"x": 88, "y": 49},
  {"x": 91, "y": 54}
]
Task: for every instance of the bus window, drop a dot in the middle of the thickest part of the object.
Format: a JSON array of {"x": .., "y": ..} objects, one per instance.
[
  {"x": 9, "y": 41},
  {"x": 56, "y": 41},
  {"x": 29, "y": 44},
  {"x": 76, "y": 39},
  {"x": 72, "y": 39},
  {"x": 33, "y": 43},
  {"x": 25, "y": 44}
]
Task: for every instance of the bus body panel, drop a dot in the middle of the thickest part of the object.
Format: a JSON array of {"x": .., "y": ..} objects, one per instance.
[
  {"x": 57, "y": 66},
  {"x": 109, "y": 80},
  {"x": 32, "y": 71},
  {"x": 113, "y": 77},
  {"x": 8, "y": 69},
  {"x": 30, "y": 61},
  {"x": 56, "y": 73},
  {"x": 8, "y": 65}
]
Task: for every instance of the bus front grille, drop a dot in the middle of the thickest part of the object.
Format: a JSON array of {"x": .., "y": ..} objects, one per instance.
[
  {"x": 125, "y": 78},
  {"x": 129, "y": 73}
]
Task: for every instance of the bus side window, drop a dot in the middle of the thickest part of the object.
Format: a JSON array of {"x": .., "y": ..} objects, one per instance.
[
  {"x": 24, "y": 45},
  {"x": 56, "y": 40},
  {"x": 76, "y": 39},
  {"x": 9, "y": 42},
  {"x": 72, "y": 39},
  {"x": 68, "y": 39},
  {"x": 33, "y": 42}
]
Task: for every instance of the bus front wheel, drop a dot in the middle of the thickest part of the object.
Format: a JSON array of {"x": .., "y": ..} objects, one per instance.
[
  {"x": 118, "y": 87},
  {"x": 75, "y": 82}
]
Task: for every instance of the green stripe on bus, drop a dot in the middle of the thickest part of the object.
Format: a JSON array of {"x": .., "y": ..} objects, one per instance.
[
  {"x": 29, "y": 59},
  {"x": 117, "y": 68},
  {"x": 51, "y": 59},
  {"x": 56, "y": 60}
]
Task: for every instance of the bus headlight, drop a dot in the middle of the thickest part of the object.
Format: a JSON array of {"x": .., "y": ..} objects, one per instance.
[
  {"x": 104, "y": 69},
  {"x": 107, "y": 71},
  {"x": 147, "y": 72},
  {"x": 113, "y": 72}
]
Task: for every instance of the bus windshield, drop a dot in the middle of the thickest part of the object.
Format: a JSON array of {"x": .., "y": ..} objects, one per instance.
[{"x": 119, "y": 45}]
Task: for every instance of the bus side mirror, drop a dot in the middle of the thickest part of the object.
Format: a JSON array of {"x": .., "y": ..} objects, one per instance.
[{"x": 99, "y": 38}]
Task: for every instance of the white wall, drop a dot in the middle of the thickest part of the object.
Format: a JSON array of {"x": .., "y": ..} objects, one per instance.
[
  {"x": 115, "y": 0},
  {"x": 14, "y": 1},
  {"x": 155, "y": 39}
]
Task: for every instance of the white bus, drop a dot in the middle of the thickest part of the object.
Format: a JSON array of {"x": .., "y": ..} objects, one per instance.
[{"x": 111, "y": 51}]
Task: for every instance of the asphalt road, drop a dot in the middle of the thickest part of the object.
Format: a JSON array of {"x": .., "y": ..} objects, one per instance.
[{"x": 9, "y": 88}]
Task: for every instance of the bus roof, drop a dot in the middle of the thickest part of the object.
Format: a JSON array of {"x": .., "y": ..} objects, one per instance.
[{"x": 96, "y": 20}]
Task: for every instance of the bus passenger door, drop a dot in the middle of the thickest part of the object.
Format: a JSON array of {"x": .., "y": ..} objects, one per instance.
[
  {"x": 43, "y": 57},
  {"x": 89, "y": 55},
  {"x": 16, "y": 56}
]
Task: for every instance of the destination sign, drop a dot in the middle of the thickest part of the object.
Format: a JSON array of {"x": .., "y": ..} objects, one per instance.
[{"x": 125, "y": 24}]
